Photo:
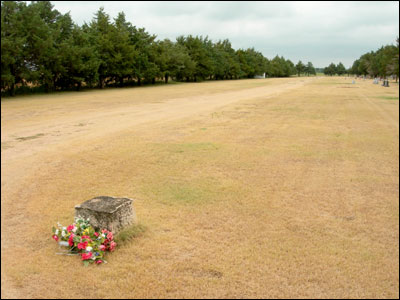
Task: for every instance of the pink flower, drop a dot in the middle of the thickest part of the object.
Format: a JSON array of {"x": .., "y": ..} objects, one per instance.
[
  {"x": 104, "y": 231},
  {"x": 86, "y": 255},
  {"x": 55, "y": 237},
  {"x": 112, "y": 246},
  {"x": 110, "y": 236},
  {"x": 99, "y": 261},
  {"x": 96, "y": 234},
  {"x": 85, "y": 237},
  {"x": 102, "y": 247},
  {"x": 82, "y": 245},
  {"x": 70, "y": 227}
]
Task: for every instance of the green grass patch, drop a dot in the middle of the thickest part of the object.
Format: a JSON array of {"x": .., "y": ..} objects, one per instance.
[
  {"x": 129, "y": 233},
  {"x": 183, "y": 191},
  {"x": 388, "y": 98}
]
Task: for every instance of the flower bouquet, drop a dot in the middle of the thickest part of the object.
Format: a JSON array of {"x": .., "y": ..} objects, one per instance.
[{"x": 83, "y": 239}]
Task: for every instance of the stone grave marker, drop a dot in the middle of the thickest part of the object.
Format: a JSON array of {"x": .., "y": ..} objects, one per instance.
[{"x": 107, "y": 212}]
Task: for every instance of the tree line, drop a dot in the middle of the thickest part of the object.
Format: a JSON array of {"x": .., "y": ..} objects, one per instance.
[
  {"x": 333, "y": 69},
  {"x": 381, "y": 63},
  {"x": 43, "y": 48}
]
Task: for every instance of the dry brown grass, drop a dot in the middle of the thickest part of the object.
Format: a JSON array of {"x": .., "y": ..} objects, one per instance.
[{"x": 276, "y": 188}]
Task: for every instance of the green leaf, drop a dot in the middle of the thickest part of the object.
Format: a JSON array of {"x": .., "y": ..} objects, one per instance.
[
  {"x": 53, "y": 229},
  {"x": 86, "y": 263}
]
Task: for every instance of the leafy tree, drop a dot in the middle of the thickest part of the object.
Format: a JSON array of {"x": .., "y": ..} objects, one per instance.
[{"x": 13, "y": 66}]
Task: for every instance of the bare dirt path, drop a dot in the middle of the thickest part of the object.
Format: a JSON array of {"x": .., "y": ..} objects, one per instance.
[{"x": 45, "y": 129}]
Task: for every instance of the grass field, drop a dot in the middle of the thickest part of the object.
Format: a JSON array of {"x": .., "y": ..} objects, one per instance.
[{"x": 269, "y": 188}]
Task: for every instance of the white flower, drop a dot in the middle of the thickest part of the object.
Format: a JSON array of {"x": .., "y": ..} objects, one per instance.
[
  {"x": 57, "y": 231},
  {"x": 63, "y": 233},
  {"x": 74, "y": 229},
  {"x": 64, "y": 228},
  {"x": 88, "y": 249},
  {"x": 103, "y": 235}
]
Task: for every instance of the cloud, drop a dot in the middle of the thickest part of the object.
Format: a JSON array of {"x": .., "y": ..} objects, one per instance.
[{"x": 321, "y": 32}]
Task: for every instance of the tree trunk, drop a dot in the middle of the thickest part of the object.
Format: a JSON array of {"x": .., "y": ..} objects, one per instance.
[
  {"x": 153, "y": 81},
  {"x": 101, "y": 82},
  {"x": 12, "y": 89},
  {"x": 166, "y": 78},
  {"x": 138, "y": 81},
  {"x": 46, "y": 87}
]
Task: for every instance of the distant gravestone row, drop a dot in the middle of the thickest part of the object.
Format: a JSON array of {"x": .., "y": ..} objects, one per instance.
[{"x": 385, "y": 82}]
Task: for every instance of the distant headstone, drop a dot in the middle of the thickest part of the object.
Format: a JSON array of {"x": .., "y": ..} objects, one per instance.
[
  {"x": 353, "y": 82},
  {"x": 385, "y": 83},
  {"x": 107, "y": 212}
]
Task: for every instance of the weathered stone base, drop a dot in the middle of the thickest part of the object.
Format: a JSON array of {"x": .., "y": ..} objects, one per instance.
[{"x": 107, "y": 212}]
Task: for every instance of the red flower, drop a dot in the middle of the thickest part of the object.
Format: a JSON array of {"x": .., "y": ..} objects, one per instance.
[
  {"x": 96, "y": 234},
  {"x": 55, "y": 237},
  {"x": 99, "y": 261},
  {"x": 102, "y": 247},
  {"x": 82, "y": 245},
  {"x": 110, "y": 236},
  {"x": 85, "y": 237},
  {"x": 70, "y": 227},
  {"x": 71, "y": 240},
  {"x": 86, "y": 255},
  {"x": 112, "y": 246}
]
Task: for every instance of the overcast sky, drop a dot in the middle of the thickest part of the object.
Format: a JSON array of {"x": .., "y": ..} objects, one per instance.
[{"x": 320, "y": 32}]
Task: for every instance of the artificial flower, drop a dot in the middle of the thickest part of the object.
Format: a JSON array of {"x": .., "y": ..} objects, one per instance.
[
  {"x": 82, "y": 245},
  {"x": 86, "y": 255}
]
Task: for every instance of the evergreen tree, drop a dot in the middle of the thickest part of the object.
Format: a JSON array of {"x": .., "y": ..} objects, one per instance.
[
  {"x": 340, "y": 69},
  {"x": 14, "y": 68},
  {"x": 309, "y": 69},
  {"x": 300, "y": 68}
]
